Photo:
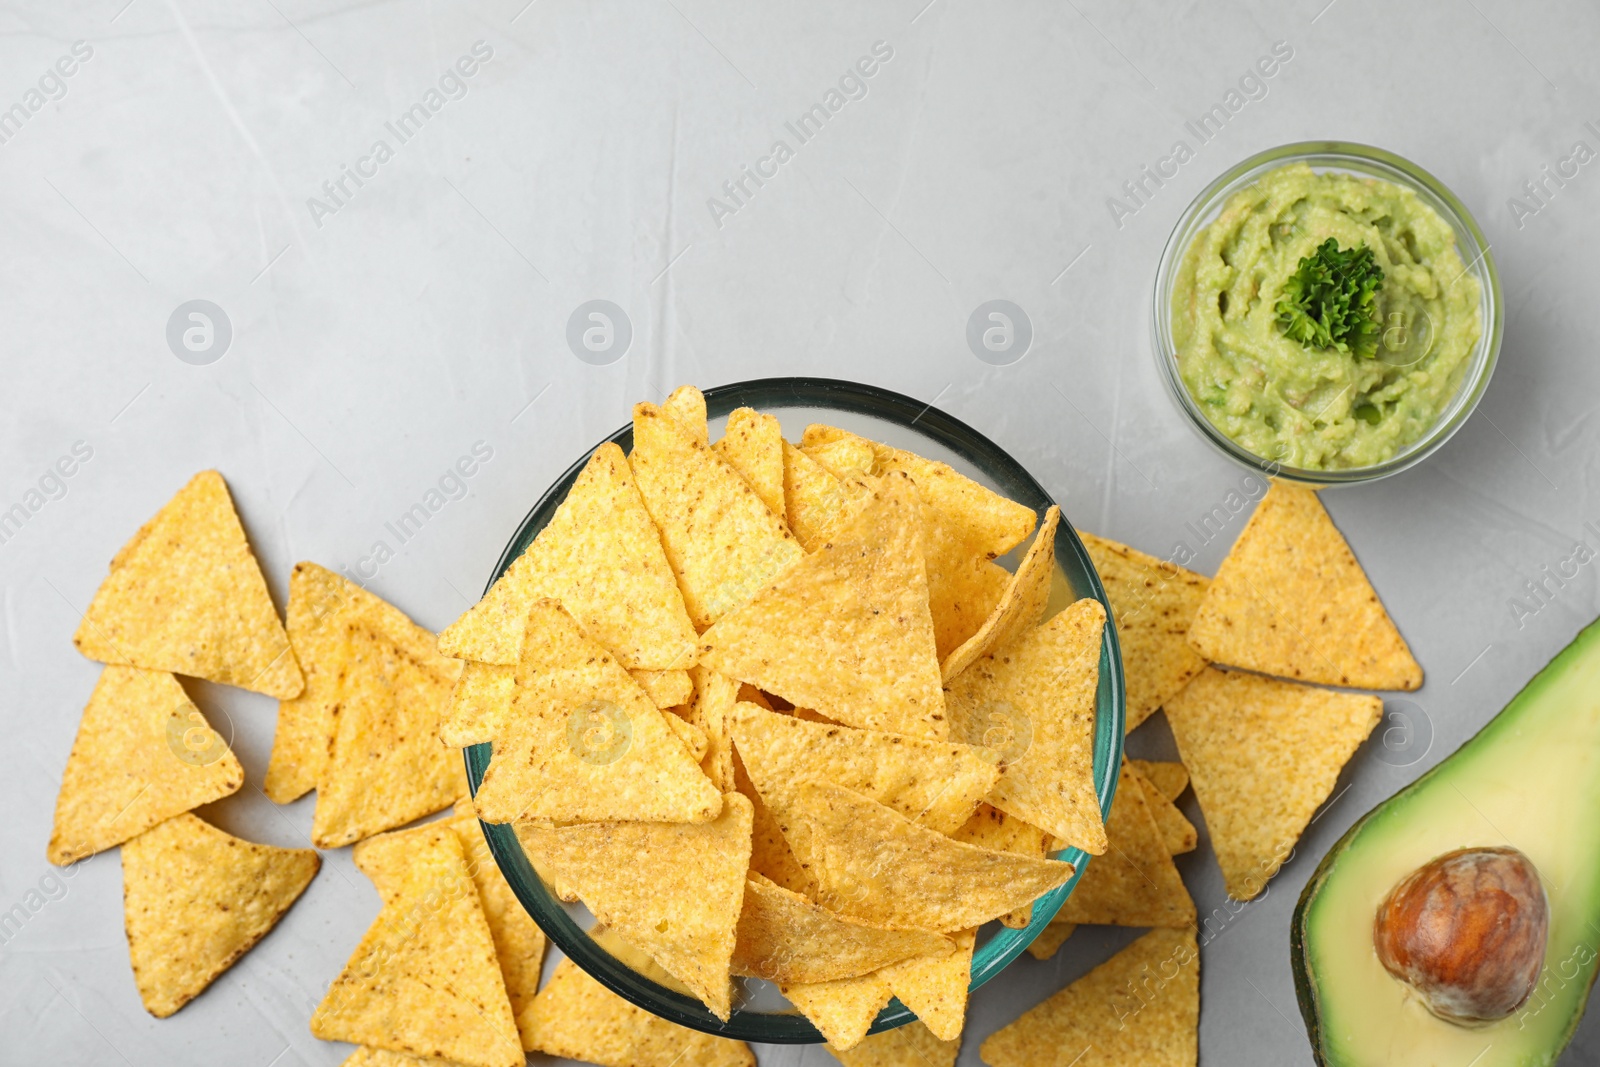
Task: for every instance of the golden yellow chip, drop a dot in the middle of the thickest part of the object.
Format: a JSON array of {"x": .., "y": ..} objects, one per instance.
[
  {"x": 143, "y": 754},
  {"x": 601, "y": 557},
  {"x": 1135, "y": 882},
  {"x": 1050, "y": 939},
  {"x": 783, "y": 937},
  {"x": 844, "y": 455},
  {"x": 846, "y": 630},
  {"x": 1168, "y": 776},
  {"x": 964, "y": 585},
  {"x": 1033, "y": 704},
  {"x": 671, "y": 889},
  {"x": 714, "y": 697},
  {"x": 935, "y": 783},
  {"x": 480, "y": 704},
  {"x": 687, "y": 407},
  {"x": 1291, "y": 600},
  {"x": 196, "y": 899},
  {"x": 694, "y": 739},
  {"x": 1142, "y": 1006},
  {"x": 722, "y": 542},
  {"x": 753, "y": 446},
  {"x": 842, "y": 1009},
  {"x": 1177, "y": 833},
  {"x": 911, "y": 1045},
  {"x": 815, "y": 502},
  {"x": 186, "y": 595},
  {"x": 425, "y": 979},
  {"x": 584, "y": 742},
  {"x": 365, "y": 1056},
  {"x": 666, "y": 689},
  {"x": 935, "y": 986},
  {"x": 770, "y": 855},
  {"x": 578, "y": 1018},
  {"x": 992, "y": 828},
  {"x": 1020, "y": 608},
  {"x": 1264, "y": 754},
  {"x": 874, "y": 865}
]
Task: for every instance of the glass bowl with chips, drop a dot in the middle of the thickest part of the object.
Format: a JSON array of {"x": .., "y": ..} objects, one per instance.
[{"x": 760, "y": 1013}]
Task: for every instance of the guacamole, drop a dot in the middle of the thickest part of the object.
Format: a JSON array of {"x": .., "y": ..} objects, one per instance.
[{"x": 1323, "y": 408}]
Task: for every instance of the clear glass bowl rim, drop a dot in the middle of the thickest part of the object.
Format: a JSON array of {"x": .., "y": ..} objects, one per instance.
[
  {"x": 1006, "y": 944},
  {"x": 1361, "y": 159}
]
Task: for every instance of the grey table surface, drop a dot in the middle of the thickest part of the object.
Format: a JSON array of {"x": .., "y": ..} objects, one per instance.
[{"x": 376, "y": 333}]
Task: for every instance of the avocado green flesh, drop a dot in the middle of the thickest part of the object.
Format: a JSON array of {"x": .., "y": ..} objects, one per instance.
[{"x": 1531, "y": 780}]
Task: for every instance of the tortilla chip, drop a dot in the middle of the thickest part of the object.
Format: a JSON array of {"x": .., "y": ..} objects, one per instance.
[
  {"x": 479, "y": 707},
  {"x": 770, "y": 855},
  {"x": 666, "y": 689},
  {"x": 687, "y": 407},
  {"x": 578, "y": 1018},
  {"x": 1050, "y": 939},
  {"x": 992, "y": 828},
  {"x": 846, "y": 630},
  {"x": 964, "y": 585},
  {"x": 601, "y": 557},
  {"x": 1264, "y": 755},
  {"x": 366, "y": 1056},
  {"x": 694, "y": 739},
  {"x": 672, "y": 889},
  {"x": 843, "y": 455},
  {"x": 1135, "y": 882},
  {"x": 196, "y": 899},
  {"x": 186, "y": 595},
  {"x": 385, "y": 766},
  {"x": 1168, "y": 776},
  {"x": 753, "y": 446},
  {"x": 1034, "y": 703},
  {"x": 814, "y": 501},
  {"x": 584, "y": 742},
  {"x": 935, "y": 783},
  {"x": 1291, "y": 600},
  {"x": 1141, "y": 1006},
  {"x": 425, "y": 979},
  {"x": 1177, "y": 833},
  {"x": 1020, "y": 608},
  {"x": 714, "y": 697},
  {"x": 143, "y": 754},
  {"x": 843, "y": 1009},
  {"x": 721, "y": 540},
  {"x": 935, "y": 986},
  {"x": 874, "y": 865},
  {"x": 911, "y": 1045}
]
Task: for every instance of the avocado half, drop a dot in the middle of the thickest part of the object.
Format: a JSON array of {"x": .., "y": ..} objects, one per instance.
[{"x": 1529, "y": 779}]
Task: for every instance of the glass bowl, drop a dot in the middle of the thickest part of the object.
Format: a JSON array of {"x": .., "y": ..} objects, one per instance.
[
  {"x": 1366, "y": 161},
  {"x": 904, "y": 422}
]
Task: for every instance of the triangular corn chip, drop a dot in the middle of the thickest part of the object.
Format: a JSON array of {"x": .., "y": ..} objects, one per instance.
[
  {"x": 935, "y": 783},
  {"x": 425, "y": 979},
  {"x": 783, "y": 937},
  {"x": 1135, "y": 882},
  {"x": 479, "y": 707},
  {"x": 687, "y": 407},
  {"x": 1177, "y": 833},
  {"x": 666, "y": 689},
  {"x": 1168, "y": 776},
  {"x": 935, "y": 986},
  {"x": 672, "y": 889},
  {"x": 186, "y": 595},
  {"x": 1142, "y": 1006},
  {"x": 142, "y": 755},
  {"x": 694, "y": 739},
  {"x": 722, "y": 542},
  {"x": 814, "y": 501},
  {"x": 367, "y": 1056},
  {"x": 584, "y": 741},
  {"x": 770, "y": 855},
  {"x": 875, "y": 866},
  {"x": 842, "y": 453},
  {"x": 1291, "y": 600},
  {"x": 196, "y": 899},
  {"x": 1050, "y": 939},
  {"x": 601, "y": 557},
  {"x": 911, "y": 1045},
  {"x": 964, "y": 585},
  {"x": 1033, "y": 702},
  {"x": 992, "y": 828},
  {"x": 714, "y": 698},
  {"x": 753, "y": 446},
  {"x": 842, "y": 1009},
  {"x": 1264, "y": 754},
  {"x": 846, "y": 631},
  {"x": 1020, "y": 608},
  {"x": 578, "y": 1018}
]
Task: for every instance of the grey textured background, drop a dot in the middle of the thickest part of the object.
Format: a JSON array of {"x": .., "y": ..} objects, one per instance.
[{"x": 373, "y": 346}]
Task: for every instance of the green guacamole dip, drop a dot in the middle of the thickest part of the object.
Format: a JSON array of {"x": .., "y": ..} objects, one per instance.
[{"x": 1313, "y": 408}]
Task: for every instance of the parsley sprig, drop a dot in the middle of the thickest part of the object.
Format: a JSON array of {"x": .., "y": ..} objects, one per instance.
[{"x": 1329, "y": 300}]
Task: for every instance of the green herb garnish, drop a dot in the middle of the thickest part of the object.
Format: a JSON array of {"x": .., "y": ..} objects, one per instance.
[{"x": 1328, "y": 301}]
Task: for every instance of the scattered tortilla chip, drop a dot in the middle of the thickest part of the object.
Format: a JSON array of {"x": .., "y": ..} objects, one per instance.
[
  {"x": 846, "y": 630},
  {"x": 815, "y": 502},
  {"x": 843, "y": 1009},
  {"x": 935, "y": 986},
  {"x": 721, "y": 540},
  {"x": 479, "y": 707},
  {"x": 1291, "y": 600},
  {"x": 687, "y": 407},
  {"x": 143, "y": 754},
  {"x": 843, "y": 455},
  {"x": 1168, "y": 776},
  {"x": 694, "y": 739},
  {"x": 1264, "y": 755},
  {"x": 1050, "y": 939},
  {"x": 935, "y": 783},
  {"x": 770, "y": 855},
  {"x": 753, "y": 446},
  {"x": 783, "y": 937},
  {"x": 1033, "y": 703},
  {"x": 601, "y": 557},
  {"x": 425, "y": 979},
  {"x": 584, "y": 742},
  {"x": 386, "y": 766},
  {"x": 874, "y": 865},
  {"x": 578, "y": 1018},
  {"x": 1153, "y": 602},
  {"x": 666, "y": 689},
  {"x": 1141, "y": 1006},
  {"x": 186, "y": 595},
  {"x": 1135, "y": 882},
  {"x": 196, "y": 899},
  {"x": 911, "y": 1045},
  {"x": 714, "y": 697},
  {"x": 672, "y": 889},
  {"x": 992, "y": 828},
  {"x": 1177, "y": 833},
  {"x": 366, "y": 1056},
  {"x": 1020, "y": 608}
]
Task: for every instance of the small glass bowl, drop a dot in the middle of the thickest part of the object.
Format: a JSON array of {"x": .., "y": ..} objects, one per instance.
[
  {"x": 903, "y": 422},
  {"x": 1364, "y": 160}
]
